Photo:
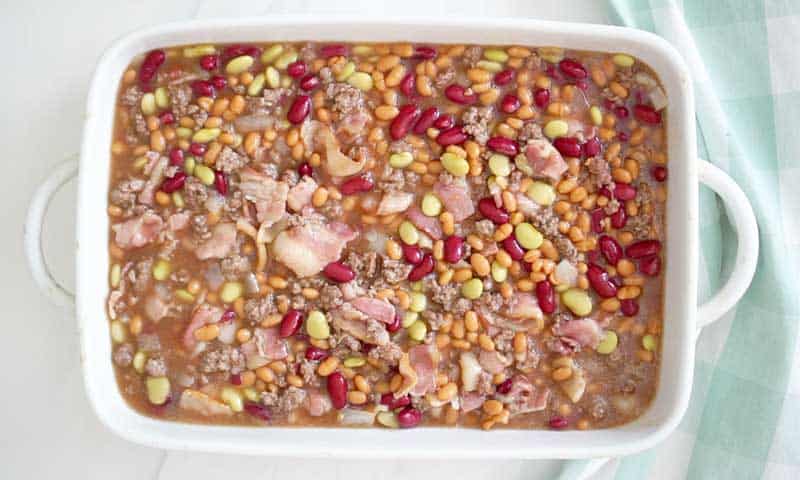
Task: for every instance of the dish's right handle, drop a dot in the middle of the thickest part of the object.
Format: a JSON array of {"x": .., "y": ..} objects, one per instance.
[
  {"x": 57, "y": 292},
  {"x": 744, "y": 222}
]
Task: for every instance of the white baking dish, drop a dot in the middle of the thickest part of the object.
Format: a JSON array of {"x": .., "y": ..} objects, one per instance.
[{"x": 681, "y": 315}]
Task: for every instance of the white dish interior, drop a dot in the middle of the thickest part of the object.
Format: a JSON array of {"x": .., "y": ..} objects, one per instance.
[{"x": 680, "y": 262}]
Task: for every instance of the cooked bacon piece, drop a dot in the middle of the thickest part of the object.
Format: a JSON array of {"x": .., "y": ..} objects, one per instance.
[
  {"x": 221, "y": 243},
  {"x": 395, "y": 202},
  {"x": 300, "y": 195},
  {"x": 429, "y": 225},
  {"x": 203, "y": 315},
  {"x": 268, "y": 195},
  {"x": 307, "y": 249},
  {"x": 583, "y": 332},
  {"x": 544, "y": 159},
  {"x": 138, "y": 231},
  {"x": 376, "y": 308},
  {"x": 422, "y": 362},
  {"x": 455, "y": 197}
]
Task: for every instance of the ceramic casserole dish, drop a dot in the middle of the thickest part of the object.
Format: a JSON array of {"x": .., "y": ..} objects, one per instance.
[{"x": 682, "y": 316}]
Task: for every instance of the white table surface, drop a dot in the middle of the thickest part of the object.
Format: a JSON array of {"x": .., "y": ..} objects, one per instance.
[{"x": 47, "y": 429}]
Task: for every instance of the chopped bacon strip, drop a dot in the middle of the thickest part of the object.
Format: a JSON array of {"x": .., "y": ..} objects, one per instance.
[
  {"x": 429, "y": 225},
  {"x": 376, "y": 308},
  {"x": 308, "y": 248},
  {"x": 138, "y": 231},
  {"x": 300, "y": 195},
  {"x": 221, "y": 243},
  {"x": 544, "y": 159},
  {"x": 268, "y": 195},
  {"x": 421, "y": 360},
  {"x": 455, "y": 197}
]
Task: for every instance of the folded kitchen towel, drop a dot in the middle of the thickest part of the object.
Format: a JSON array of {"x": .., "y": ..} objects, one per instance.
[{"x": 744, "y": 417}]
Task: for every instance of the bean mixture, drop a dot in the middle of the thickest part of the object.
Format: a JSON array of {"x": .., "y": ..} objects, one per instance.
[{"x": 387, "y": 235}]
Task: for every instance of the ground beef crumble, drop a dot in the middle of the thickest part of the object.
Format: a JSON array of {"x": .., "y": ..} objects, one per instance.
[
  {"x": 257, "y": 309},
  {"x": 234, "y": 267},
  {"x": 476, "y": 122}
]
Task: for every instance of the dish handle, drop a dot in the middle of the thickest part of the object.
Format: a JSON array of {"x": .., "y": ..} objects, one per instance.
[
  {"x": 744, "y": 222},
  {"x": 42, "y": 275}
]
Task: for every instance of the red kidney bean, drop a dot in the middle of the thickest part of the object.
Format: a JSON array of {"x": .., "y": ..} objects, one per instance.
[
  {"x": 503, "y": 145},
  {"x": 395, "y": 325},
  {"x": 629, "y": 307},
  {"x": 509, "y": 104},
  {"x": 407, "y": 84},
  {"x": 650, "y": 265},
  {"x": 315, "y": 353},
  {"x": 257, "y": 410},
  {"x": 458, "y": 94},
  {"x": 355, "y": 185},
  {"x": 174, "y": 183},
  {"x": 598, "y": 279},
  {"x": 610, "y": 249},
  {"x": 617, "y": 281},
  {"x": 646, "y": 114},
  {"x": 197, "y": 149},
  {"x": 453, "y": 249},
  {"x": 300, "y": 109},
  {"x": 291, "y": 322},
  {"x": 296, "y": 69},
  {"x": 236, "y": 379},
  {"x": 339, "y": 272},
  {"x": 572, "y": 68},
  {"x": 621, "y": 111},
  {"x": 151, "y": 62},
  {"x": 309, "y": 82},
  {"x": 514, "y": 249},
  {"x": 541, "y": 97},
  {"x": 659, "y": 173},
  {"x": 394, "y": 403},
  {"x": 409, "y": 417},
  {"x": 624, "y": 191},
  {"x": 619, "y": 218},
  {"x": 452, "y": 136},
  {"x": 305, "y": 170},
  {"x": 597, "y": 216},
  {"x": 209, "y": 63},
  {"x": 218, "y": 81},
  {"x": 202, "y": 88},
  {"x": 643, "y": 248},
  {"x": 426, "y": 120},
  {"x": 412, "y": 253},
  {"x": 424, "y": 267},
  {"x": 424, "y": 52},
  {"x": 221, "y": 182},
  {"x": 592, "y": 147},
  {"x": 505, "y": 387},
  {"x": 166, "y": 118},
  {"x": 176, "y": 157},
  {"x": 227, "y": 316},
  {"x": 333, "y": 50},
  {"x": 568, "y": 146},
  {"x": 558, "y": 422},
  {"x": 498, "y": 215},
  {"x": 503, "y": 77},
  {"x": 545, "y": 296},
  {"x": 404, "y": 121},
  {"x": 444, "y": 122},
  {"x": 337, "y": 390},
  {"x": 592, "y": 256},
  {"x": 238, "y": 50},
  {"x": 622, "y": 137}
]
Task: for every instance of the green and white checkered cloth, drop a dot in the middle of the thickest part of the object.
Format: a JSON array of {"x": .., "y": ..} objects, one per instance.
[{"x": 744, "y": 416}]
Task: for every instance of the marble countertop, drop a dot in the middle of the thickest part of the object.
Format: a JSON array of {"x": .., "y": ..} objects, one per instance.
[{"x": 47, "y": 429}]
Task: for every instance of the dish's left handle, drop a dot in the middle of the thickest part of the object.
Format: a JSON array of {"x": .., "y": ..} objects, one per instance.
[{"x": 44, "y": 278}]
